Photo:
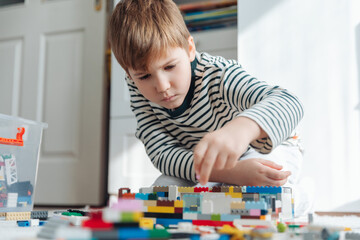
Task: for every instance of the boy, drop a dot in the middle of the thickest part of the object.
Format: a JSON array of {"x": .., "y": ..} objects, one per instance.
[{"x": 198, "y": 115}]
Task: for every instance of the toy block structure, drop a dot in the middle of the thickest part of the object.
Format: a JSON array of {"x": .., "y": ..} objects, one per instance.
[
  {"x": 221, "y": 204},
  {"x": 173, "y": 212}
]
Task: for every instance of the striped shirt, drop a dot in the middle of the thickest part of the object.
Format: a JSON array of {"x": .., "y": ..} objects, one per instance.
[{"x": 220, "y": 91}]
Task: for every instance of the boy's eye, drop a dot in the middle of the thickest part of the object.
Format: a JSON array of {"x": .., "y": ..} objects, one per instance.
[
  {"x": 144, "y": 77},
  {"x": 169, "y": 67}
]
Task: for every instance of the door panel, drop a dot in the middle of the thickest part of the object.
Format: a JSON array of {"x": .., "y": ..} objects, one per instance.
[{"x": 52, "y": 67}]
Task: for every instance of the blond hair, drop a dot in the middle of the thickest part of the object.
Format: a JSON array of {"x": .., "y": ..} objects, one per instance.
[{"x": 141, "y": 30}]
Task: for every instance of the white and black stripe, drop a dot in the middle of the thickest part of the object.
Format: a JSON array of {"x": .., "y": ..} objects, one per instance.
[{"x": 222, "y": 91}]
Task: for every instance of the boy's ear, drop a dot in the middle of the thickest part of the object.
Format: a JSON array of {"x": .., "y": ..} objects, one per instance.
[{"x": 192, "y": 48}]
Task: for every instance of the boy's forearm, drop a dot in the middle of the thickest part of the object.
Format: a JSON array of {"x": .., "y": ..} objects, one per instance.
[{"x": 247, "y": 128}]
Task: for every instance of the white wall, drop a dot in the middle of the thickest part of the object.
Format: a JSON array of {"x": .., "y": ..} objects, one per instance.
[{"x": 308, "y": 46}]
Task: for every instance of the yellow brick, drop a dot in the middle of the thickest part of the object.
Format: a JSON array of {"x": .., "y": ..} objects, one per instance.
[
  {"x": 137, "y": 216},
  {"x": 185, "y": 189},
  {"x": 161, "y": 209},
  {"x": 231, "y": 189},
  {"x": 235, "y": 195},
  {"x": 149, "y": 203},
  {"x": 2, "y": 214},
  {"x": 147, "y": 223},
  {"x": 179, "y": 203}
]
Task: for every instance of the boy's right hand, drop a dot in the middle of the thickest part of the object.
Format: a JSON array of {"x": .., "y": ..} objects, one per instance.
[{"x": 252, "y": 172}]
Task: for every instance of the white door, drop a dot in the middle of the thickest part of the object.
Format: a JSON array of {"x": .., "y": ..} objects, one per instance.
[{"x": 52, "y": 70}]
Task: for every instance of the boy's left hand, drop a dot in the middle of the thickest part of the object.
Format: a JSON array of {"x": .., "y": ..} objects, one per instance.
[{"x": 222, "y": 148}]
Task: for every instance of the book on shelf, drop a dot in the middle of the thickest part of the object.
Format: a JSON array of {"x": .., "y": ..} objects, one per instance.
[
  {"x": 206, "y": 5},
  {"x": 209, "y": 14}
]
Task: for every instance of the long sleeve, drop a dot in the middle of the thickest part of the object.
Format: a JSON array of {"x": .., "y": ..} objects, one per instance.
[{"x": 276, "y": 110}]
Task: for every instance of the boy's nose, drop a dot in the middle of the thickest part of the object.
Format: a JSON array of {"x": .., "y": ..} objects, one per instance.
[{"x": 162, "y": 84}]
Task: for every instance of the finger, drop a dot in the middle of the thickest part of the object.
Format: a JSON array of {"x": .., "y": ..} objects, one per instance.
[
  {"x": 221, "y": 161},
  {"x": 277, "y": 183},
  {"x": 276, "y": 174},
  {"x": 270, "y": 164},
  {"x": 199, "y": 153},
  {"x": 207, "y": 165}
]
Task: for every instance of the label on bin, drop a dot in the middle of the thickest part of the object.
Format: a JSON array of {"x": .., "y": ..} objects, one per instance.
[{"x": 11, "y": 141}]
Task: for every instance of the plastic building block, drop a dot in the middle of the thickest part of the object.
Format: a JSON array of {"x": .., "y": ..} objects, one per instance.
[
  {"x": 11, "y": 141},
  {"x": 163, "y": 215},
  {"x": 122, "y": 191},
  {"x": 264, "y": 189},
  {"x": 216, "y": 189},
  {"x": 190, "y": 215},
  {"x": 10, "y": 169},
  {"x": 97, "y": 224},
  {"x": 128, "y": 205},
  {"x": 142, "y": 196},
  {"x": 166, "y": 221},
  {"x": 237, "y": 189},
  {"x": 34, "y": 222},
  {"x": 161, "y": 194},
  {"x": 71, "y": 214},
  {"x": 211, "y": 223},
  {"x": 255, "y": 212},
  {"x": 179, "y": 203},
  {"x": 153, "y": 196},
  {"x": 203, "y": 217},
  {"x": 178, "y": 210},
  {"x": 128, "y": 196},
  {"x": 201, "y": 189},
  {"x": 191, "y": 200},
  {"x": 149, "y": 203},
  {"x": 229, "y": 217},
  {"x": 235, "y": 195},
  {"x": 165, "y": 203},
  {"x": 146, "y": 190},
  {"x": 250, "y": 196},
  {"x": 161, "y": 209},
  {"x": 256, "y": 205},
  {"x": 215, "y": 217},
  {"x": 160, "y": 189},
  {"x": 173, "y": 193},
  {"x": 83, "y": 213},
  {"x": 23, "y": 223},
  {"x": 207, "y": 207},
  {"x": 185, "y": 189},
  {"x": 147, "y": 223},
  {"x": 15, "y": 216},
  {"x": 225, "y": 189},
  {"x": 12, "y": 199}
]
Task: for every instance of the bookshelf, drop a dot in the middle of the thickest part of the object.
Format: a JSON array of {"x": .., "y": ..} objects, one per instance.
[
  {"x": 213, "y": 24},
  {"x": 211, "y": 14}
]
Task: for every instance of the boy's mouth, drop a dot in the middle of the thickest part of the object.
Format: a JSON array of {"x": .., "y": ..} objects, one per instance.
[{"x": 168, "y": 99}]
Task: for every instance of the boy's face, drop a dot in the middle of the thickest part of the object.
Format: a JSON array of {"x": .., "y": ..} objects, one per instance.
[{"x": 168, "y": 78}]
